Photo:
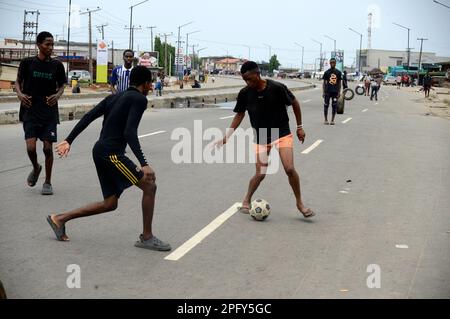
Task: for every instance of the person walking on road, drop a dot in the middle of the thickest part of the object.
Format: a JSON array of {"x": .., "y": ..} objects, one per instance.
[
  {"x": 398, "y": 80},
  {"x": 265, "y": 102},
  {"x": 332, "y": 82},
  {"x": 427, "y": 82},
  {"x": 120, "y": 77},
  {"x": 367, "y": 81},
  {"x": 375, "y": 86},
  {"x": 122, "y": 114},
  {"x": 40, "y": 84}
]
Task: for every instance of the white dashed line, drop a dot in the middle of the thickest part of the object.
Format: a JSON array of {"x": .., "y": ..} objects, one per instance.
[
  {"x": 402, "y": 246},
  {"x": 312, "y": 147},
  {"x": 306, "y": 101},
  {"x": 347, "y": 120},
  {"x": 151, "y": 134},
  {"x": 201, "y": 235},
  {"x": 365, "y": 110},
  {"x": 227, "y": 117}
]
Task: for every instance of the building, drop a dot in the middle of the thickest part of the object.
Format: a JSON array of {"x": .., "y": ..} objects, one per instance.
[{"x": 383, "y": 59}]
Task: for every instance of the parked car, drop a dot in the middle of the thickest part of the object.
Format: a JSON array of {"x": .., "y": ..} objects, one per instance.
[
  {"x": 82, "y": 75},
  {"x": 390, "y": 80}
]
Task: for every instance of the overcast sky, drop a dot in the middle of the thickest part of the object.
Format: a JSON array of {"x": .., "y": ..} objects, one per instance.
[{"x": 229, "y": 25}]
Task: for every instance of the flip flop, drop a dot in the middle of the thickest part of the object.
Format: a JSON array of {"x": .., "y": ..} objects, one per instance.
[
  {"x": 33, "y": 177},
  {"x": 309, "y": 215},
  {"x": 60, "y": 232},
  {"x": 244, "y": 210}
]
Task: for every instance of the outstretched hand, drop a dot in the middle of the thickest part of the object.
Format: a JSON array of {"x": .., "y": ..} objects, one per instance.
[{"x": 63, "y": 149}]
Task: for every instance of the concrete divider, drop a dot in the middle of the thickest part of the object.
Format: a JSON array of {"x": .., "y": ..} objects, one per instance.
[{"x": 199, "y": 100}]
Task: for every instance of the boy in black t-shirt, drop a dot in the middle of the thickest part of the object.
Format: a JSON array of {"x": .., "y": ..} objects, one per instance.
[
  {"x": 40, "y": 83},
  {"x": 266, "y": 102},
  {"x": 332, "y": 80}
]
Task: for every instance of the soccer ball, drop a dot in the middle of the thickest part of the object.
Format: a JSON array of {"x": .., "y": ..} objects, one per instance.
[{"x": 260, "y": 210}]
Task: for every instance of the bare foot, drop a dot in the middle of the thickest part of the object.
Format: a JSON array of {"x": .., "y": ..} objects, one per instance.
[{"x": 306, "y": 212}]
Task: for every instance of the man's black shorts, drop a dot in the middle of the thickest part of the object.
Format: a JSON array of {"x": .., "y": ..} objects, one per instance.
[
  {"x": 42, "y": 131},
  {"x": 116, "y": 172}
]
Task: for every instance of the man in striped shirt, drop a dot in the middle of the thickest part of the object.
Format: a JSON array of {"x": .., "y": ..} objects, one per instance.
[{"x": 120, "y": 78}]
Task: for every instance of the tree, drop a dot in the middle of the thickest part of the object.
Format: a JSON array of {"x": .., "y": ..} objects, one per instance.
[
  {"x": 274, "y": 64},
  {"x": 160, "y": 47}
]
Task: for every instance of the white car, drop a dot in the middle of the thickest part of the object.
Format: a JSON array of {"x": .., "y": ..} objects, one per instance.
[
  {"x": 82, "y": 75},
  {"x": 390, "y": 80}
]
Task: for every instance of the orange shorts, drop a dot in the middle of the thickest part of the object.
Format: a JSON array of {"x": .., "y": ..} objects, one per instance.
[{"x": 284, "y": 142}]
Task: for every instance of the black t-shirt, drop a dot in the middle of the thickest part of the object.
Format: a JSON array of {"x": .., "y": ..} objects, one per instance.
[
  {"x": 40, "y": 79},
  {"x": 427, "y": 80},
  {"x": 122, "y": 114},
  {"x": 267, "y": 110},
  {"x": 332, "y": 78}
]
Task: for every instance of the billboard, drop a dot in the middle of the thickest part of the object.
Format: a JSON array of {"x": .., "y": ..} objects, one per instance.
[
  {"x": 339, "y": 56},
  {"x": 149, "y": 59},
  {"x": 102, "y": 62}
]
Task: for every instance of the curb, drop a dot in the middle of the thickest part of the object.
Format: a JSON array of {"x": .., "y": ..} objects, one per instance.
[{"x": 206, "y": 100}]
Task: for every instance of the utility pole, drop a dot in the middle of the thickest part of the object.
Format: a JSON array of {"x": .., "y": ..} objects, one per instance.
[
  {"x": 131, "y": 24},
  {"x": 30, "y": 29},
  {"x": 187, "y": 44},
  {"x": 68, "y": 40},
  {"x": 132, "y": 34},
  {"x": 193, "y": 56},
  {"x": 249, "y": 51},
  {"x": 420, "y": 55},
  {"x": 270, "y": 51},
  {"x": 321, "y": 57},
  {"x": 112, "y": 52},
  {"x": 326, "y": 36},
  {"x": 151, "y": 31},
  {"x": 101, "y": 29},
  {"x": 165, "y": 35},
  {"x": 91, "y": 66}
]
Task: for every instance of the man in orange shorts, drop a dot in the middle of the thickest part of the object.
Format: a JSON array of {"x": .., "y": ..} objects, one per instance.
[{"x": 266, "y": 102}]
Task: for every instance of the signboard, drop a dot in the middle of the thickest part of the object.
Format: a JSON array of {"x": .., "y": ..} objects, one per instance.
[
  {"x": 149, "y": 59},
  {"x": 339, "y": 56},
  {"x": 102, "y": 62}
]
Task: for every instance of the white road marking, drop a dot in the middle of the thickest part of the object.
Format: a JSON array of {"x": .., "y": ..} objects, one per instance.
[
  {"x": 151, "y": 134},
  {"x": 401, "y": 246},
  {"x": 201, "y": 235},
  {"x": 306, "y": 101},
  {"x": 365, "y": 110},
  {"x": 312, "y": 147},
  {"x": 376, "y": 103},
  {"x": 343, "y": 192},
  {"x": 227, "y": 117},
  {"x": 347, "y": 120}
]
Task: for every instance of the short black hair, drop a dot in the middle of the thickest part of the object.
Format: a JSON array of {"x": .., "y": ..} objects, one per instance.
[
  {"x": 332, "y": 60},
  {"x": 140, "y": 75},
  {"x": 126, "y": 51},
  {"x": 42, "y": 36},
  {"x": 249, "y": 66}
]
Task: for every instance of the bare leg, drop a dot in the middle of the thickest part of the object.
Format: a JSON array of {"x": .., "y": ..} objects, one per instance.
[
  {"x": 31, "y": 151},
  {"x": 48, "y": 152},
  {"x": 287, "y": 159},
  {"x": 108, "y": 205},
  {"x": 261, "y": 168},
  {"x": 148, "y": 186}
]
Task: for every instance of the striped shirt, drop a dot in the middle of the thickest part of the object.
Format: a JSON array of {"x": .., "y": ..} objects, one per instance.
[{"x": 121, "y": 78}]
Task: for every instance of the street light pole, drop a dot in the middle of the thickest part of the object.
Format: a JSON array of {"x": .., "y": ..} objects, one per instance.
[
  {"x": 321, "y": 58},
  {"x": 303, "y": 54},
  {"x": 249, "y": 50},
  {"x": 420, "y": 55},
  {"x": 151, "y": 31},
  {"x": 360, "y": 49},
  {"x": 177, "y": 54},
  {"x": 131, "y": 23},
  {"x": 409, "y": 49},
  {"x": 326, "y": 36},
  {"x": 270, "y": 51},
  {"x": 187, "y": 44},
  {"x": 441, "y": 4}
]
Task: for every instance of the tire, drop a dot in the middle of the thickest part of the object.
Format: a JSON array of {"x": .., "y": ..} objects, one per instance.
[
  {"x": 341, "y": 105},
  {"x": 352, "y": 94},
  {"x": 360, "y": 90}
]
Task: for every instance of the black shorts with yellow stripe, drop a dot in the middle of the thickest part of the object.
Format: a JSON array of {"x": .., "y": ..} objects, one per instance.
[{"x": 116, "y": 173}]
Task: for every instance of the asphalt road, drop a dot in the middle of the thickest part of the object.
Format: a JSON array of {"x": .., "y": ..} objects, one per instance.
[{"x": 394, "y": 213}]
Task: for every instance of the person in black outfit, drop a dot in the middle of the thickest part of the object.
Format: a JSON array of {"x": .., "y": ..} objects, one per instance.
[
  {"x": 122, "y": 114},
  {"x": 345, "y": 80},
  {"x": 266, "y": 102},
  {"x": 39, "y": 85},
  {"x": 427, "y": 82},
  {"x": 332, "y": 80}
]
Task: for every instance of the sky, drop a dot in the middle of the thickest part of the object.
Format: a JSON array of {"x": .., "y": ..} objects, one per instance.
[{"x": 228, "y": 27}]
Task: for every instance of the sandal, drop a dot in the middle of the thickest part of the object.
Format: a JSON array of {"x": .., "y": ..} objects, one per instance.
[
  {"x": 60, "y": 232},
  {"x": 309, "y": 214},
  {"x": 33, "y": 177}
]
